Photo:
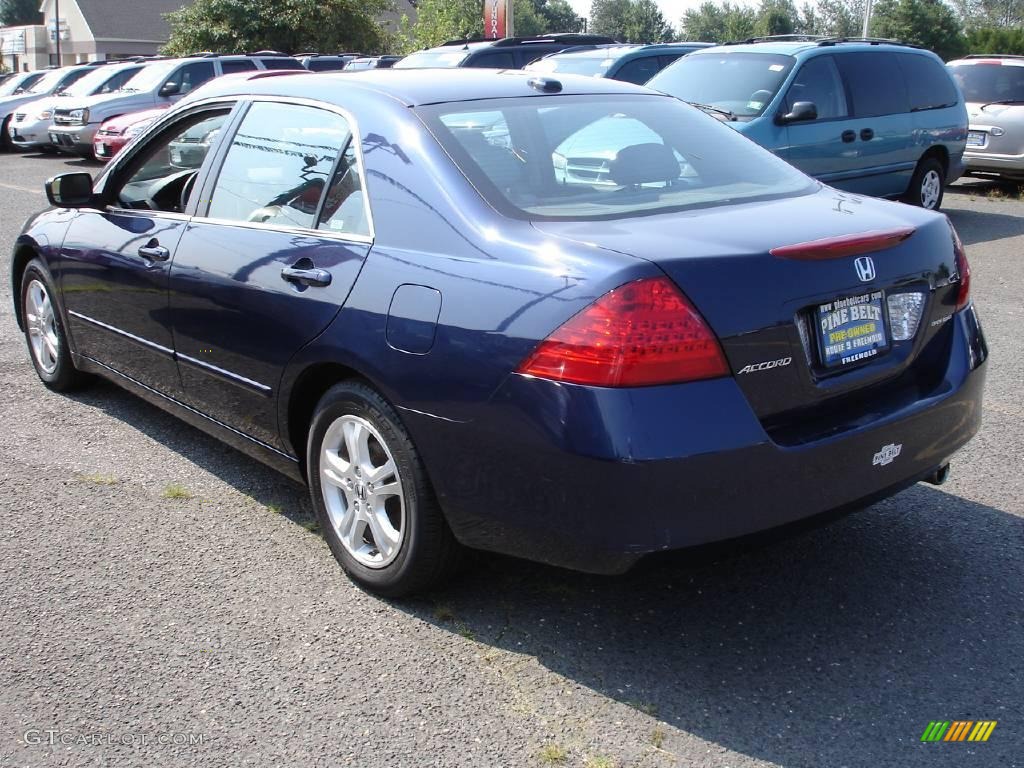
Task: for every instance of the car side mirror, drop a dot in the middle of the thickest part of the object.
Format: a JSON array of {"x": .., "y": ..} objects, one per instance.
[
  {"x": 802, "y": 110},
  {"x": 70, "y": 190},
  {"x": 170, "y": 88}
]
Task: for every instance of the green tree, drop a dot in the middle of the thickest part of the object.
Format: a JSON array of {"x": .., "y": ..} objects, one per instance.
[
  {"x": 14, "y": 13},
  {"x": 838, "y": 18},
  {"x": 929, "y": 23},
  {"x": 608, "y": 17},
  {"x": 981, "y": 14},
  {"x": 718, "y": 23},
  {"x": 291, "y": 26},
  {"x": 996, "y": 40},
  {"x": 559, "y": 15},
  {"x": 438, "y": 21},
  {"x": 645, "y": 23},
  {"x": 776, "y": 17},
  {"x": 527, "y": 20}
]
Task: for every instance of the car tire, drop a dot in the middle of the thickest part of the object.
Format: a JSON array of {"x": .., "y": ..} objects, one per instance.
[
  {"x": 927, "y": 185},
  {"x": 357, "y": 446},
  {"x": 6, "y": 145},
  {"x": 44, "y": 330}
]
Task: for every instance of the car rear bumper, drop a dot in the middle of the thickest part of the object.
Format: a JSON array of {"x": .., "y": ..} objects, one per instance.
[
  {"x": 987, "y": 162},
  {"x": 593, "y": 479},
  {"x": 73, "y": 138}
]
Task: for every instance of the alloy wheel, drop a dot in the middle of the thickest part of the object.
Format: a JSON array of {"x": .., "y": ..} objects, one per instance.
[
  {"x": 362, "y": 491},
  {"x": 41, "y": 322},
  {"x": 931, "y": 189}
]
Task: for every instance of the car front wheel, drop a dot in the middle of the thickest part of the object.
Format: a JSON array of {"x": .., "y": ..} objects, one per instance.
[
  {"x": 372, "y": 496},
  {"x": 44, "y": 330},
  {"x": 926, "y": 186}
]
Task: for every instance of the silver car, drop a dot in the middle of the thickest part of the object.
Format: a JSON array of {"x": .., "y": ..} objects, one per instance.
[
  {"x": 52, "y": 82},
  {"x": 29, "y": 128},
  {"x": 993, "y": 88}
]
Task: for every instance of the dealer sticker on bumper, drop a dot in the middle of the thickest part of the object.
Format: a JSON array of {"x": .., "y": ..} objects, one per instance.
[{"x": 851, "y": 329}]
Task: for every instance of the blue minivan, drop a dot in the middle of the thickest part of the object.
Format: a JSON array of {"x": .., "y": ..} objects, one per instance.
[{"x": 871, "y": 117}]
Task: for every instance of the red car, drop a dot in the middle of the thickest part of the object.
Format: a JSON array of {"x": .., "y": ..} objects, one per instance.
[{"x": 118, "y": 131}]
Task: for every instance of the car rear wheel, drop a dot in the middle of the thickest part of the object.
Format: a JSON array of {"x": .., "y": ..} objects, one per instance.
[
  {"x": 44, "y": 330},
  {"x": 372, "y": 497},
  {"x": 926, "y": 186}
]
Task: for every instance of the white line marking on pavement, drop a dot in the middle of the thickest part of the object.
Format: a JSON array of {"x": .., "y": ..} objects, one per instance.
[{"x": 21, "y": 189}]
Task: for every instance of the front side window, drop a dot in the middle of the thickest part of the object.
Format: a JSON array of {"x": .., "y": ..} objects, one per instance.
[
  {"x": 605, "y": 157},
  {"x": 278, "y": 165},
  {"x": 818, "y": 81},
  {"x": 162, "y": 176},
  {"x": 496, "y": 60},
  {"x": 638, "y": 71},
  {"x": 742, "y": 83},
  {"x": 191, "y": 76}
]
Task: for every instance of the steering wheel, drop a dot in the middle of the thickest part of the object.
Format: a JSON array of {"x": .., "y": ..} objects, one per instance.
[{"x": 166, "y": 194}]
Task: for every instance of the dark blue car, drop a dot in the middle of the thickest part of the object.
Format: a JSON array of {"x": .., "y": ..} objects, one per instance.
[{"x": 568, "y": 319}]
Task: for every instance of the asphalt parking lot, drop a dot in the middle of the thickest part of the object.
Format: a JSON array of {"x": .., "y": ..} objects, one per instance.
[{"x": 163, "y": 601}]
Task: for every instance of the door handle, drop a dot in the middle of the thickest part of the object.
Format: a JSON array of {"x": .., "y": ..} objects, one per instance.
[
  {"x": 312, "y": 276},
  {"x": 867, "y": 134},
  {"x": 848, "y": 136},
  {"x": 154, "y": 251}
]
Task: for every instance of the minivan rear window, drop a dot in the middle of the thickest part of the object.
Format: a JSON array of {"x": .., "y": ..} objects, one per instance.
[
  {"x": 581, "y": 157},
  {"x": 929, "y": 85}
]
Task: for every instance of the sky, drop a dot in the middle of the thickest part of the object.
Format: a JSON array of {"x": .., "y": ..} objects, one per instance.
[{"x": 673, "y": 10}]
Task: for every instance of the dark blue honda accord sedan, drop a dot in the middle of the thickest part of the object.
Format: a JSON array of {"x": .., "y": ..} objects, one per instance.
[{"x": 572, "y": 320}]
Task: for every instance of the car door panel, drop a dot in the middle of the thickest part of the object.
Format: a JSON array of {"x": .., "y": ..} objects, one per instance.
[
  {"x": 253, "y": 278},
  {"x": 237, "y": 321}
]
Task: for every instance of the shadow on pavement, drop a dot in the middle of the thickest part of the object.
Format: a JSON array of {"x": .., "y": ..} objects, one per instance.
[{"x": 832, "y": 648}]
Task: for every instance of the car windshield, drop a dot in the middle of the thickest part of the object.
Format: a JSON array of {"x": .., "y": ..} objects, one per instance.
[
  {"x": 592, "y": 64},
  {"x": 986, "y": 83},
  {"x": 18, "y": 81},
  {"x": 151, "y": 77},
  {"x": 53, "y": 78},
  {"x": 93, "y": 82},
  {"x": 742, "y": 83},
  {"x": 605, "y": 157},
  {"x": 433, "y": 59}
]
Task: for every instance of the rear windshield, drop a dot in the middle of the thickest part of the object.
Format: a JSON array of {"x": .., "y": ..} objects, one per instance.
[
  {"x": 591, "y": 64},
  {"x": 433, "y": 59},
  {"x": 986, "y": 83},
  {"x": 605, "y": 157},
  {"x": 742, "y": 83}
]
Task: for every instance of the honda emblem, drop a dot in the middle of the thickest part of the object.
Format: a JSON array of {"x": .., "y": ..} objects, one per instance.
[{"x": 865, "y": 267}]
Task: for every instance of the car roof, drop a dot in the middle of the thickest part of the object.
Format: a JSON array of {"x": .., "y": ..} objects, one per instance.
[
  {"x": 620, "y": 50},
  {"x": 797, "y": 47},
  {"x": 564, "y": 39},
  {"x": 985, "y": 58},
  {"x": 412, "y": 87}
]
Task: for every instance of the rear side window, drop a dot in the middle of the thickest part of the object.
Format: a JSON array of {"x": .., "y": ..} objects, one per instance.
[
  {"x": 818, "y": 81},
  {"x": 495, "y": 60},
  {"x": 278, "y": 165},
  {"x": 238, "y": 65},
  {"x": 281, "y": 64},
  {"x": 928, "y": 84},
  {"x": 875, "y": 87},
  {"x": 638, "y": 71},
  {"x": 326, "y": 65}
]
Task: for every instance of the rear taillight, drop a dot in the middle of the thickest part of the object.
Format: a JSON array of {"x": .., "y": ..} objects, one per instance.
[
  {"x": 963, "y": 271},
  {"x": 642, "y": 333}
]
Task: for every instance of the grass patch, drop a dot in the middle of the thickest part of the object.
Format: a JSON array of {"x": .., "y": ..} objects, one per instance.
[
  {"x": 99, "y": 479},
  {"x": 658, "y": 737},
  {"x": 312, "y": 526},
  {"x": 553, "y": 754},
  {"x": 277, "y": 509},
  {"x": 176, "y": 491},
  {"x": 599, "y": 761},
  {"x": 647, "y": 709}
]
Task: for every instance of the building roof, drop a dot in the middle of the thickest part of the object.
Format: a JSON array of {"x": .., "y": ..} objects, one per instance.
[{"x": 141, "y": 20}]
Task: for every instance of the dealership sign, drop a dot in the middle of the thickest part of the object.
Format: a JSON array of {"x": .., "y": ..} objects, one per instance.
[
  {"x": 497, "y": 19},
  {"x": 12, "y": 43}
]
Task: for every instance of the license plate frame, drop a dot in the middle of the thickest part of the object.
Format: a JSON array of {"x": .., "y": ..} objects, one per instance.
[
  {"x": 976, "y": 139},
  {"x": 851, "y": 330}
]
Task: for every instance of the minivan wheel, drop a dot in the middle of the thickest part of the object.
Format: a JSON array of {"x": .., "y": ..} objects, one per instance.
[
  {"x": 372, "y": 497},
  {"x": 926, "y": 187},
  {"x": 44, "y": 330}
]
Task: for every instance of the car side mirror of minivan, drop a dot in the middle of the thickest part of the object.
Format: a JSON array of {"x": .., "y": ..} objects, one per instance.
[
  {"x": 170, "y": 88},
  {"x": 801, "y": 111},
  {"x": 70, "y": 190}
]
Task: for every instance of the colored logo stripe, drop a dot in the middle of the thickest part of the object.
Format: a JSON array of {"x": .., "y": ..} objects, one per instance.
[{"x": 958, "y": 730}]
